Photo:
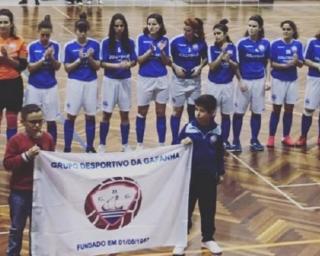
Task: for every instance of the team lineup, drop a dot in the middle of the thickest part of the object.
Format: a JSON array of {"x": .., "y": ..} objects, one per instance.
[
  {"x": 238, "y": 76},
  {"x": 254, "y": 61}
]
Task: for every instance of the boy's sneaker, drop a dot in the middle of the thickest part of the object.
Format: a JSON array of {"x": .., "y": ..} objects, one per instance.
[
  {"x": 91, "y": 150},
  {"x": 101, "y": 148},
  {"x": 287, "y": 141},
  {"x": 256, "y": 146},
  {"x": 212, "y": 246},
  {"x": 270, "y": 142},
  {"x": 23, "y": 2},
  {"x": 100, "y": 2},
  {"x": 37, "y": 2},
  {"x": 178, "y": 250}
]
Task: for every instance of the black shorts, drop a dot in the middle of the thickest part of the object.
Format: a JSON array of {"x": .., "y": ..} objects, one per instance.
[{"x": 11, "y": 94}]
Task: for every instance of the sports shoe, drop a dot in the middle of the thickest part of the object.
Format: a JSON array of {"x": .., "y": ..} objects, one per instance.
[
  {"x": 125, "y": 148},
  {"x": 212, "y": 246},
  {"x": 139, "y": 146},
  {"x": 23, "y": 2},
  {"x": 37, "y": 2},
  {"x": 67, "y": 150},
  {"x": 91, "y": 150},
  {"x": 236, "y": 147},
  {"x": 270, "y": 142},
  {"x": 287, "y": 141},
  {"x": 301, "y": 142},
  {"x": 227, "y": 146},
  {"x": 89, "y": 2},
  {"x": 101, "y": 148},
  {"x": 256, "y": 146},
  {"x": 100, "y": 2},
  {"x": 178, "y": 250}
]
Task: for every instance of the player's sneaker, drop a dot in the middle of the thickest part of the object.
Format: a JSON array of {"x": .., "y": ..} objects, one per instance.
[
  {"x": 287, "y": 141},
  {"x": 100, "y": 2},
  {"x": 139, "y": 146},
  {"x": 212, "y": 246},
  {"x": 91, "y": 150},
  {"x": 301, "y": 142},
  {"x": 23, "y": 2},
  {"x": 67, "y": 150},
  {"x": 37, "y": 2},
  {"x": 236, "y": 147},
  {"x": 270, "y": 142},
  {"x": 101, "y": 148},
  {"x": 178, "y": 251},
  {"x": 89, "y": 2},
  {"x": 125, "y": 148},
  {"x": 227, "y": 146},
  {"x": 256, "y": 146}
]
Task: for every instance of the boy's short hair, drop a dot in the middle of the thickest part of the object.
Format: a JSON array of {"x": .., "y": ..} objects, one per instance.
[
  {"x": 208, "y": 102},
  {"x": 27, "y": 109}
]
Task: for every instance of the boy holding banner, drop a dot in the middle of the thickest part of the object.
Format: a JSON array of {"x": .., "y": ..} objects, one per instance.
[
  {"x": 207, "y": 168},
  {"x": 19, "y": 159}
]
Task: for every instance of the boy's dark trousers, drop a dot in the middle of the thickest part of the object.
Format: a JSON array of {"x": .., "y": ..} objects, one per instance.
[
  {"x": 20, "y": 203},
  {"x": 203, "y": 187}
]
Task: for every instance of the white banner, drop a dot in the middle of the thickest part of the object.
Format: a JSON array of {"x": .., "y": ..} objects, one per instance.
[{"x": 90, "y": 204}]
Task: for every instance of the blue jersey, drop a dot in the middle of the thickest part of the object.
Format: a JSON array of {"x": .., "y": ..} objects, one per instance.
[
  {"x": 208, "y": 152},
  {"x": 224, "y": 73},
  {"x": 188, "y": 54},
  {"x": 282, "y": 52},
  {"x": 84, "y": 72},
  {"x": 44, "y": 77},
  {"x": 153, "y": 67},
  {"x": 312, "y": 52},
  {"x": 117, "y": 55},
  {"x": 253, "y": 57}
]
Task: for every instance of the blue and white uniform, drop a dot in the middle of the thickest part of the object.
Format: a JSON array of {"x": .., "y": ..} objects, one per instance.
[
  {"x": 42, "y": 86},
  {"x": 220, "y": 83},
  {"x": 312, "y": 93},
  {"x": 116, "y": 87},
  {"x": 187, "y": 55},
  {"x": 253, "y": 57},
  {"x": 152, "y": 75},
  {"x": 82, "y": 81},
  {"x": 284, "y": 81}
]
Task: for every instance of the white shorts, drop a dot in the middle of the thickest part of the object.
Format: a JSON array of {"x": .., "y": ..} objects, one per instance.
[
  {"x": 116, "y": 92},
  {"x": 312, "y": 94},
  {"x": 253, "y": 95},
  {"x": 224, "y": 94},
  {"x": 81, "y": 94},
  {"x": 284, "y": 92},
  {"x": 46, "y": 99},
  {"x": 152, "y": 89},
  {"x": 185, "y": 90}
]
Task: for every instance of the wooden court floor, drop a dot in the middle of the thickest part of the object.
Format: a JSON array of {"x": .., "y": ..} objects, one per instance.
[{"x": 269, "y": 202}]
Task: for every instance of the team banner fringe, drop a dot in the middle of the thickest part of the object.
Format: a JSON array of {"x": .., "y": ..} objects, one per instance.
[{"x": 91, "y": 204}]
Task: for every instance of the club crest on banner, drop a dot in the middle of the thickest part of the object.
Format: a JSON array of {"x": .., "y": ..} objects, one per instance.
[{"x": 114, "y": 203}]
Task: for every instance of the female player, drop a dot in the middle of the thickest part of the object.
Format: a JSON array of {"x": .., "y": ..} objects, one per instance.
[
  {"x": 152, "y": 51},
  {"x": 222, "y": 66},
  {"x": 312, "y": 93},
  {"x": 189, "y": 56},
  {"x": 42, "y": 88},
  {"x": 286, "y": 56},
  {"x": 118, "y": 56},
  {"x": 253, "y": 56},
  {"x": 81, "y": 62},
  {"x": 13, "y": 60}
]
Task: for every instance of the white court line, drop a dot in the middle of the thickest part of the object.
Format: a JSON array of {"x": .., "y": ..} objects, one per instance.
[
  {"x": 4, "y": 233},
  {"x": 3, "y": 205},
  {"x": 299, "y": 185},
  {"x": 297, "y": 204},
  {"x": 61, "y": 12}
]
